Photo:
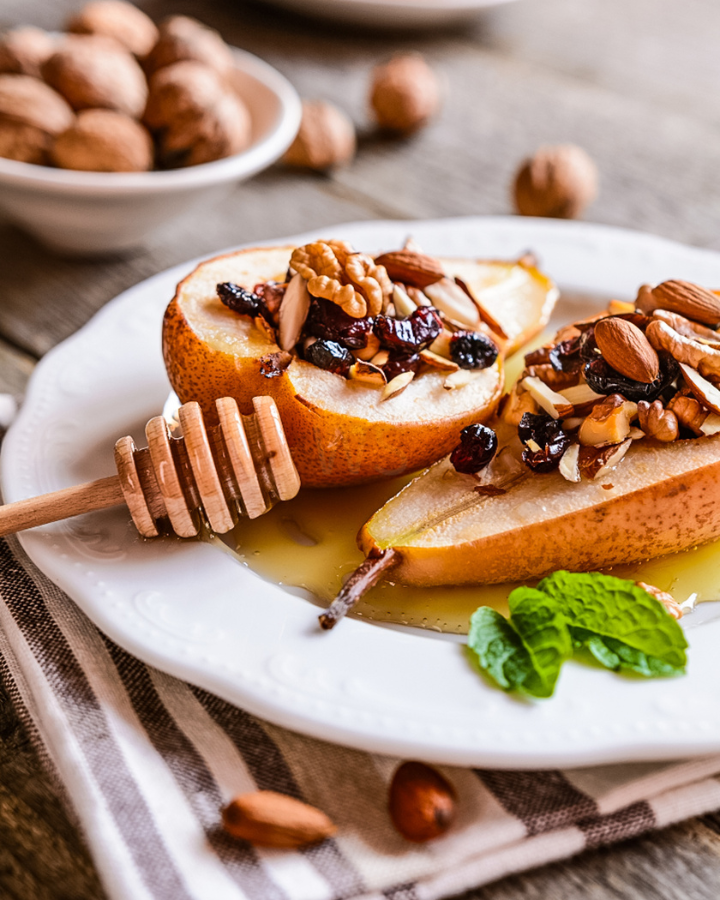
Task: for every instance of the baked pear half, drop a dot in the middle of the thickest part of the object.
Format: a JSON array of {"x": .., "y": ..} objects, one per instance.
[
  {"x": 606, "y": 452},
  {"x": 376, "y": 364}
]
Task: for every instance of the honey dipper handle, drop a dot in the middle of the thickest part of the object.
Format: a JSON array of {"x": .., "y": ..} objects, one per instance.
[{"x": 71, "y": 501}]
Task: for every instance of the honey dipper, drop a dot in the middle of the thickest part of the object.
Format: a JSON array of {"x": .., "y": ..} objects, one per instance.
[{"x": 239, "y": 467}]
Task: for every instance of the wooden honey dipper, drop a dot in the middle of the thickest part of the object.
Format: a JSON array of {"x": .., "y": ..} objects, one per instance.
[{"x": 239, "y": 467}]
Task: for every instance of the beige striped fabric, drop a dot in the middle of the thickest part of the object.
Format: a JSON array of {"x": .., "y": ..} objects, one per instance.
[{"x": 147, "y": 761}]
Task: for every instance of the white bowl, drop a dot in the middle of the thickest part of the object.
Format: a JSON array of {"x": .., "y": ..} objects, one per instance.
[
  {"x": 102, "y": 212},
  {"x": 405, "y": 14}
]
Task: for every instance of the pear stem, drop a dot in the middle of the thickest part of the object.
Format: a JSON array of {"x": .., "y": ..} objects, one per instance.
[{"x": 358, "y": 584}]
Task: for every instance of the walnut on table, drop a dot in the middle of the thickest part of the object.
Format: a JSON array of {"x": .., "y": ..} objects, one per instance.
[
  {"x": 24, "y": 50},
  {"x": 326, "y": 138},
  {"x": 102, "y": 140},
  {"x": 405, "y": 93},
  {"x": 121, "y": 21},
  {"x": 557, "y": 182},
  {"x": 30, "y": 114},
  {"x": 95, "y": 72}
]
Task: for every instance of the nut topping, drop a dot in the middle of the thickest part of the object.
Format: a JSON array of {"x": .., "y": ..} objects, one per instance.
[
  {"x": 411, "y": 268},
  {"x": 452, "y": 301},
  {"x": 688, "y": 329},
  {"x": 554, "y": 404},
  {"x": 685, "y": 350},
  {"x": 683, "y": 297},
  {"x": 293, "y": 312},
  {"x": 608, "y": 422},
  {"x": 627, "y": 349},
  {"x": 689, "y": 412},
  {"x": 705, "y": 392},
  {"x": 595, "y": 462},
  {"x": 397, "y": 385},
  {"x": 656, "y": 422}
]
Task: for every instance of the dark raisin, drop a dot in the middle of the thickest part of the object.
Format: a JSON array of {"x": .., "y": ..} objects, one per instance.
[
  {"x": 328, "y": 321},
  {"x": 401, "y": 362},
  {"x": 603, "y": 379},
  {"x": 547, "y": 433},
  {"x": 476, "y": 449},
  {"x": 472, "y": 350},
  {"x": 240, "y": 300},
  {"x": 271, "y": 293},
  {"x": 409, "y": 335},
  {"x": 331, "y": 356},
  {"x": 565, "y": 356}
]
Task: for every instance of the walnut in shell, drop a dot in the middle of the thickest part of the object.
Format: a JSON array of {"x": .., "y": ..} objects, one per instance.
[
  {"x": 95, "y": 72},
  {"x": 102, "y": 140},
  {"x": 182, "y": 38},
  {"x": 557, "y": 182},
  {"x": 405, "y": 93},
  {"x": 30, "y": 113},
  {"x": 326, "y": 138},
  {"x": 24, "y": 50},
  {"x": 195, "y": 116},
  {"x": 122, "y": 21}
]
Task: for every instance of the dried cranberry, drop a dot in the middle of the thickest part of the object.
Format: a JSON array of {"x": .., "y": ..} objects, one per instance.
[
  {"x": 401, "y": 362},
  {"x": 415, "y": 333},
  {"x": 547, "y": 433},
  {"x": 240, "y": 300},
  {"x": 271, "y": 293},
  {"x": 603, "y": 379},
  {"x": 565, "y": 356},
  {"x": 472, "y": 350},
  {"x": 331, "y": 356},
  {"x": 476, "y": 449},
  {"x": 328, "y": 321}
]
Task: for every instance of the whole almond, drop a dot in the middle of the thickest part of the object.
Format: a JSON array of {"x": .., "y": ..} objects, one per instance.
[
  {"x": 683, "y": 297},
  {"x": 411, "y": 268},
  {"x": 276, "y": 820},
  {"x": 421, "y": 802},
  {"x": 627, "y": 349}
]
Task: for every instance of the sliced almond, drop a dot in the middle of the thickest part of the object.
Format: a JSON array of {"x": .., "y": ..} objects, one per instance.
[
  {"x": 404, "y": 306},
  {"x": 485, "y": 315},
  {"x": 372, "y": 347},
  {"x": 408, "y": 267},
  {"x": 380, "y": 358},
  {"x": 581, "y": 393},
  {"x": 636, "y": 434},
  {"x": 705, "y": 392},
  {"x": 438, "y": 362},
  {"x": 595, "y": 462},
  {"x": 683, "y": 297},
  {"x": 533, "y": 445},
  {"x": 569, "y": 468},
  {"x": 554, "y": 404},
  {"x": 441, "y": 344},
  {"x": 608, "y": 422},
  {"x": 711, "y": 425},
  {"x": 572, "y": 422},
  {"x": 627, "y": 349},
  {"x": 417, "y": 296},
  {"x": 367, "y": 373},
  {"x": 397, "y": 385},
  {"x": 461, "y": 378},
  {"x": 293, "y": 312},
  {"x": 453, "y": 302}
]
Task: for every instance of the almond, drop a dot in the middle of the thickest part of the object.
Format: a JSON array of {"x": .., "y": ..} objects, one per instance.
[
  {"x": 595, "y": 462},
  {"x": 705, "y": 392},
  {"x": 421, "y": 802},
  {"x": 294, "y": 309},
  {"x": 411, "y": 268},
  {"x": 276, "y": 820},
  {"x": 627, "y": 349},
  {"x": 397, "y": 385},
  {"x": 683, "y": 297}
]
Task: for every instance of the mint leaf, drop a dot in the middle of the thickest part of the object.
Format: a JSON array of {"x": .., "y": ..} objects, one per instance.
[
  {"x": 543, "y": 630},
  {"x": 499, "y": 649},
  {"x": 630, "y": 622}
]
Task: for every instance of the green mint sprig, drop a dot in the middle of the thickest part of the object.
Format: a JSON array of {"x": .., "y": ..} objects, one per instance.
[{"x": 619, "y": 623}]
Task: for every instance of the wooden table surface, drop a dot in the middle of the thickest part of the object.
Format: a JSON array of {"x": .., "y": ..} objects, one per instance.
[{"x": 633, "y": 81}]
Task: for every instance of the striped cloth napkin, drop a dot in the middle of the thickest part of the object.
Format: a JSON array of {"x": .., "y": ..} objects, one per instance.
[{"x": 147, "y": 761}]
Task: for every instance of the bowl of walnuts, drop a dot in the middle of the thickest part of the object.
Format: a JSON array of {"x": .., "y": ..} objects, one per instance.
[{"x": 115, "y": 128}]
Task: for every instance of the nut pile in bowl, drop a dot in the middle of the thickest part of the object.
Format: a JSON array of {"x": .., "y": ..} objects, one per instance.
[
  {"x": 648, "y": 370},
  {"x": 119, "y": 94}
]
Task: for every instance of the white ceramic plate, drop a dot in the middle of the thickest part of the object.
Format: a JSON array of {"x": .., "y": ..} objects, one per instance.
[
  {"x": 196, "y": 613},
  {"x": 392, "y": 13}
]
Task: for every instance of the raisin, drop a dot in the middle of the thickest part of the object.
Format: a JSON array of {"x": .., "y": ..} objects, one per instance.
[
  {"x": 603, "y": 379},
  {"x": 240, "y": 300},
  {"x": 476, "y": 449},
  {"x": 401, "y": 362},
  {"x": 472, "y": 350},
  {"x": 328, "y": 321},
  {"x": 331, "y": 356},
  {"x": 409, "y": 335},
  {"x": 565, "y": 356},
  {"x": 537, "y": 357},
  {"x": 548, "y": 434}
]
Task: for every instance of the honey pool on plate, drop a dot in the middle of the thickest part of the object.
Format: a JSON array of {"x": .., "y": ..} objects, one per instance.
[{"x": 309, "y": 543}]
